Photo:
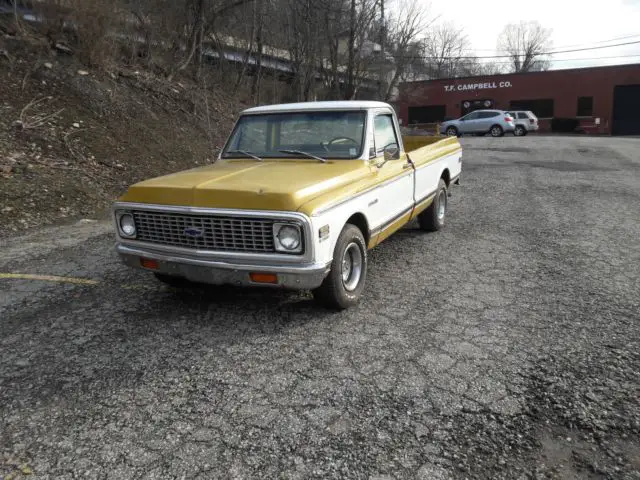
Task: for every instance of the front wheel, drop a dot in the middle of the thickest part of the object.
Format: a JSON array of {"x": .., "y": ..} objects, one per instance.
[
  {"x": 432, "y": 219},
  {"x": 343, "y": 286},
  {"x": 452, "y": 132},
  {"x": 496, "y": 131}
]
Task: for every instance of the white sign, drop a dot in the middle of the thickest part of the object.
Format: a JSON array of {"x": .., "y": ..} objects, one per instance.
[{"x": 463, "y": 87}]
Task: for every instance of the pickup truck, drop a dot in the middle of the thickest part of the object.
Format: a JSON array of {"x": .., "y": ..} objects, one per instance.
[{"x": 296, "y": 198}]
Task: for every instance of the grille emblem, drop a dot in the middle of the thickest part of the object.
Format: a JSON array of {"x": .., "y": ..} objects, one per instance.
[{"x": 193, "y": 232}]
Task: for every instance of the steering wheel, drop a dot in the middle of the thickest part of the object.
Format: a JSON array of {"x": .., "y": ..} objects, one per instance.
[
  {"x": 336, "y": 139},
  {"x": 343, "y": 138}
]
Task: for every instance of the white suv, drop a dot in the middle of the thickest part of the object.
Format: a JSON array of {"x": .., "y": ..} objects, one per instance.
[{"x": 525, "y": 122}]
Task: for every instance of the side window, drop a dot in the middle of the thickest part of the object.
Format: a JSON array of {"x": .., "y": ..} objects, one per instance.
[
  {"x": 385, "y": 134},
  {"x": 522, "y": 116},
  {"x": 472, "y": 116}
]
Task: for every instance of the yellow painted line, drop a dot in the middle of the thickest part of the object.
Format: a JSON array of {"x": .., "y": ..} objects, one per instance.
[{"x": 48, "y": 278}]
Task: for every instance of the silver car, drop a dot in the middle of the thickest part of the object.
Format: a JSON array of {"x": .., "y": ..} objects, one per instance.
[
  {"x": 525, "y": 121},
  {"x": 480, "y": 122}
]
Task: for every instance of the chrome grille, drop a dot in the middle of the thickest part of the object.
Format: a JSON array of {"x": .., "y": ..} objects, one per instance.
[{"x": 253, "y": 235}]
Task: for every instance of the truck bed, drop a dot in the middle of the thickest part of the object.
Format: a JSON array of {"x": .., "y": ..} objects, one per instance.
[{"x": 426, "y": 148}]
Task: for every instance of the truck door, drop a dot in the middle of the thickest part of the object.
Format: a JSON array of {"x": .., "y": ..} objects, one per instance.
[{"x": 393, "y": 202}]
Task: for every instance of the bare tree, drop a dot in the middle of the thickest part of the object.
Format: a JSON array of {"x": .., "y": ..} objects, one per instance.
[
  {"x": 405, "y": 31},
  {"x": 334, "y": 14},
  {"x": 447, "y": 50},
  {"x": 471, "y": 66},
  {"x": 527, "y": 44},
  {"x": 362, "y": 14}
]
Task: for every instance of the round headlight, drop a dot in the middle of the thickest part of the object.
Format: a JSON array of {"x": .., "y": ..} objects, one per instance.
[
  {"x": 289, "y": 237},
  {"x": 127, "y": 225}
]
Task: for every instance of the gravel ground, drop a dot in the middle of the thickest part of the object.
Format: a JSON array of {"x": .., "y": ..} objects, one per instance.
[{"x": 505, "y": 346}]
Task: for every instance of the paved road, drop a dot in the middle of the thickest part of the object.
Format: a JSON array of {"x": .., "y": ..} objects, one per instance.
[{"x": 506, "y": 346}]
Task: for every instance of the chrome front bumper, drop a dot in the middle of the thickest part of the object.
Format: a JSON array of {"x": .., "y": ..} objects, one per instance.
[{"x": 294, "y": 276}]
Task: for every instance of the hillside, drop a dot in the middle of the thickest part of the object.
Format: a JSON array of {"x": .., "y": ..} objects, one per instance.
[{"x": 72, "y": 137}]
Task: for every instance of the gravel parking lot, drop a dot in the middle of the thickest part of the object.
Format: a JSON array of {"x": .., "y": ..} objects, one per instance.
[{"x": 505, "y": 346}]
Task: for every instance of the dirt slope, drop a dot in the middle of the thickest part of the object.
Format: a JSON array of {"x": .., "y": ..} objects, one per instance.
[{"x": 72, "y": 138}]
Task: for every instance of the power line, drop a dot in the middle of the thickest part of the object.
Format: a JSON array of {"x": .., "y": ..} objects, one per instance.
[
  {"x": 592, "y": 48},
  {"x": 564, "y": 59},
  {"x": 541, "y": 54},
  {"x": 593, "y": 58},
  {"x": 574, "y": 45},
  {"x": 607, "y": 41}
]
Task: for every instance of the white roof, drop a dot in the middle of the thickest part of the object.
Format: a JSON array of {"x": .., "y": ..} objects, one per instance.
[{"x": 315, "y": 106}]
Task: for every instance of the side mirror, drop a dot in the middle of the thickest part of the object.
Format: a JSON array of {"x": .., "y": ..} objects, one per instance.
[{"x": 391, "y": 153}]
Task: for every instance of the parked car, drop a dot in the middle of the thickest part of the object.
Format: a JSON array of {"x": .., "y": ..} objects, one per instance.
[
  {"x": 525, "y": 122},
  {"x": 480, "y": 122},
  {"x": 296, "y": 198}
]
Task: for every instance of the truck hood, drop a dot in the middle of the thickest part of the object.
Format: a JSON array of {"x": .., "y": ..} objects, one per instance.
[{"x": 281, "y": 185}]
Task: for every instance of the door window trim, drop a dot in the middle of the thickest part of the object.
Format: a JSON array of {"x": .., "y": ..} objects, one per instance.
[{"x": 395, "y": 132}]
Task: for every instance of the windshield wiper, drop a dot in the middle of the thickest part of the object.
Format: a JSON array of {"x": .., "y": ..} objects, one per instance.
[
  {"x": 246, "y": 154},
  {"x": 306, "y": 154}
]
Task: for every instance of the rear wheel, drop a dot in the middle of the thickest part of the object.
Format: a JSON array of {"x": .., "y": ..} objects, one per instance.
[
  {"x": 432, "y": 219},
  {"x": 496, "y": 131},
  {"x": 520, "y": 131},
  {"x": 343, "y": 286}
]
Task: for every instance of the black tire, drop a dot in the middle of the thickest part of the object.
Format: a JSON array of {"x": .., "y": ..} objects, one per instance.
[
  {"x": 452, "y": 132},
  {"x": 176, "y": 282},
  {"x": 520, "y": 131},
  {"x": 335, "y": 293},
  {"x": 496, "y": 131},
  {"x": 432, "y": 219}
]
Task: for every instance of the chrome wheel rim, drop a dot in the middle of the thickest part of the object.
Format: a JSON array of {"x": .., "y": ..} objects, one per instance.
[
  {"x": 442, "y": 204},
  {"x": 451, "y": 132},
  {"x": 495, "y": 132},
  {"x": 351, "y": 267},
  {"x": 519, "y": 131}
]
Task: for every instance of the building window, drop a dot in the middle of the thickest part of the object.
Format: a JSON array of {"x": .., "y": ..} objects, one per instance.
[
  {"x": 541, "y": 108},
  {"x": 585, "y": 107},
  {"x": 428, "y": 114}
]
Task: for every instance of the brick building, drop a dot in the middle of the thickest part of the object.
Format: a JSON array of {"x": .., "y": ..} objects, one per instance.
[{"x": 606, "y": 100}]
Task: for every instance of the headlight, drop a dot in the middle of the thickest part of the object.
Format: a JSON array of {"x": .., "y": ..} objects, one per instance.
[
  {"x": 127, "y": 225},
  {"x": 287, "y": 237}
]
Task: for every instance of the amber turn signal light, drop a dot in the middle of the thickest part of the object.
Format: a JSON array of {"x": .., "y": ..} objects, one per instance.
[
  {"x": 256, "y": 277},
  {"x": 148, "y": 263}
]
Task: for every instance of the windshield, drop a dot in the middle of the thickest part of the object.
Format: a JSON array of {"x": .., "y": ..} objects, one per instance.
[{"x": 323, "y": 134}]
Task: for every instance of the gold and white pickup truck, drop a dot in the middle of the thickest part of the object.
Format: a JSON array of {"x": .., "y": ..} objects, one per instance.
[{"x": 297, "y": 196}]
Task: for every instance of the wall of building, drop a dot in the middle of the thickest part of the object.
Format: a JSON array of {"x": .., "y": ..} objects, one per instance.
[{"x": 563, "y": 86}]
